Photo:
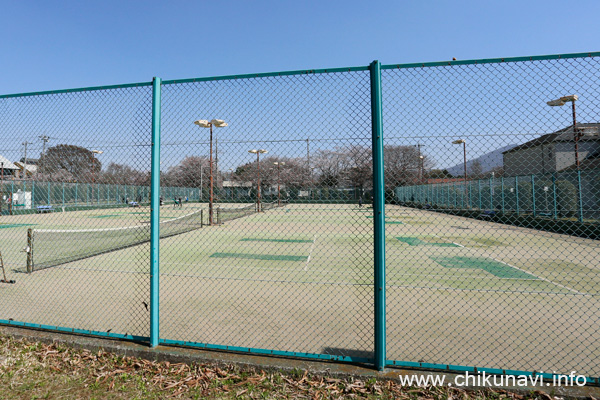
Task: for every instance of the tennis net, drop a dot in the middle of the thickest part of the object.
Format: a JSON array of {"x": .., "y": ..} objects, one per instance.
[
  {"x": 51, "y": 247},
  {"x": 228, "y": 214}
]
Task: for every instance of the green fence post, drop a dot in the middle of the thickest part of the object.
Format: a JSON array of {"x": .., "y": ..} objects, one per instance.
[
  {"x": 554, "y": 196},
  {"x": 579, "y": 196},
  {"x": 470, "y": 195},
  {"x": 155, "y": 215},
  {"x": 517, "y": 194},
  {"x": 533, "y": 195},
  {"x": 63, "y": 199},
  {"x": 491, "y": 193},
  {"x": 32, "y": 193},
  {"x": 479, "y": 193},
  {"x": 378, "y": 216},
  {"x": 502, "y": 192},
  {"x": 76, "y": 194}
]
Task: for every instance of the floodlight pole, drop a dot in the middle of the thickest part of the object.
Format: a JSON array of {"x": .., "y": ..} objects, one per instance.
[
  {"x": 576, "y": 136},
  {"x": 464, "y": 143},
  {"x": 278, "y": 163},
  {"x": 209, "y": 124}
]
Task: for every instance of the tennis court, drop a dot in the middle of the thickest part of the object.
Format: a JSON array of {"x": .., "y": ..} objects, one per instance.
[{"x": 295, "y": 277}]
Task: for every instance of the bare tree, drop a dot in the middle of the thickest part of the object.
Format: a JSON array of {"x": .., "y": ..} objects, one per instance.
[
  {"x": 403, "y": 166},
  {"x": 192, "y": 171},
  {"x": 121, "y": 174}
]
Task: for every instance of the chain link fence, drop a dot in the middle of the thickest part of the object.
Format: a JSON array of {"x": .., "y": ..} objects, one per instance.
[
  {"x": 494, "y": 264},
  {"x": 240, "y": 213},
  {"x": 64, "y": 149}
]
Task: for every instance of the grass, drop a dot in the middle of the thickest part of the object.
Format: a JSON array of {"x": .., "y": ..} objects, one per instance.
[{"x": 33, "y": 370}]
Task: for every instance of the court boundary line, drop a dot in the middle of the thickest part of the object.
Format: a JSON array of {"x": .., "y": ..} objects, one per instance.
[
  {"x": 517, "y": 268},
  {"x": 312, "y": 247}
]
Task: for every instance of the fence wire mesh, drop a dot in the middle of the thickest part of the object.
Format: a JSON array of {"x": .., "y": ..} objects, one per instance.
[
  {"x": 492, "y": 201},
  {"x": 490, "y": 257},
  {"x": 70, "y": 164},
  {"x": 287, "y": 263}
]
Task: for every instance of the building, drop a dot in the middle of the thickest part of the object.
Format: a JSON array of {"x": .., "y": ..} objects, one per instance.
[
  {"x": 31, "y": 170},
  {"x": 551, "y": 158},
  {"x": 9, "y": 169},
  {"x": 553, "y": 152}
]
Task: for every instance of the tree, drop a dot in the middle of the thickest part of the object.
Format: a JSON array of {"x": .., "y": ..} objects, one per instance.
[
  {"x": 71, "y": 162},
  {"x": 402, "y": 165},
  {"x": 124, "y": 175},
  {"x": 438, "y": 174},
  {"x": 192, "y": 171},
  {"x": 476, "y": 170}
]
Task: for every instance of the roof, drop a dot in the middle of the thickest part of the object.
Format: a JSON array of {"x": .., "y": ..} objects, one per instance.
[
  {"x": 7, "y": 163},
  {"x": 590, "y": 132},
  {"x": 592, "y": 161},
  {"x": 237, "y": 184},
  {"x": 30, "y": 168},
  {"x": 445, "y": 180}
]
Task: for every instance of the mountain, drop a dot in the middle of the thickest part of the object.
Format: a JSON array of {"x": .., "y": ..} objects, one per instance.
[{"x": 488, "y": 161}]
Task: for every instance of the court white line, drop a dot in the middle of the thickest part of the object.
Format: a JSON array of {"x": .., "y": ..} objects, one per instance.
[
  {"x": 520, "y": 269},
  {"x": 310, "y": 254}
]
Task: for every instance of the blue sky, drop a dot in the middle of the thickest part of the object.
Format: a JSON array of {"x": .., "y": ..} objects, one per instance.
[
  {"x": 68, "y": 44},
  {"x": 65, "y": 44}
]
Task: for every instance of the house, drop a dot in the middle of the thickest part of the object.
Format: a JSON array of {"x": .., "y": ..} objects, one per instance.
[
  {"x": 7, "y": 168},
  {"x": 31, "y": 170},
  {"x": 553, "y": 152}
]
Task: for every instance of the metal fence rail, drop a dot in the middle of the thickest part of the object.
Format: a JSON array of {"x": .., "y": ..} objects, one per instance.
[{"x": 438, "y": 215}]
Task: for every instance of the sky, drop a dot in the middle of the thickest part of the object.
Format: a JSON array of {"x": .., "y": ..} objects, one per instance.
[
  {"x": 67, "y": 44},
  {"x": 73, "y": 44}
]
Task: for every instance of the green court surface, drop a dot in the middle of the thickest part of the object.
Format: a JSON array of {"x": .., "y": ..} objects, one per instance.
[
  {"x": 5, "y": 226},
  {"x": 413, "y": 241},
  {"x": 276, "y": 240},
  {"x": 495, "y": 268},
  {"x": 265, "y": 257},
  {"x": 306, "y": 268}
]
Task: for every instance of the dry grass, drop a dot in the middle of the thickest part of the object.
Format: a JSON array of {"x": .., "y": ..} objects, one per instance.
[{"x": 31, "y": 370}]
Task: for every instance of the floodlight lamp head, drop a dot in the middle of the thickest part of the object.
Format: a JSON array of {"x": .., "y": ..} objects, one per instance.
[
  {"x": 563, "y": 100},
  {"x": 459, "y": 141},
  {"x": 253, "y": 151},
  {"x": 97, "y": 151},
  {"x": 219, "y": 123},
  {"x": 262, "y": 151},
  {"x": 202, "y": 123}
]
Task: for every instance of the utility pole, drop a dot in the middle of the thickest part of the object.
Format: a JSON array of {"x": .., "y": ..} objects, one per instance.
[
  {"x": 44, "y": 139},
  {"x": 308, "y": 161},
  {"x": 421, "y": 163},
  {"x": 25, "y": 143}
]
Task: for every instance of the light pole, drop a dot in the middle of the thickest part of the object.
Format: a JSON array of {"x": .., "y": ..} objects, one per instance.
[
  {"x": 464, "y": 143},
  {"x": 576, "y": 136},
  {"x": 94, "y": 152},
  {"x": 561, "y": 102},
  {"x": 258, "y": 153},
  {"x": 278, "y": 163},
  {"x": 218, "y": 123}
]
